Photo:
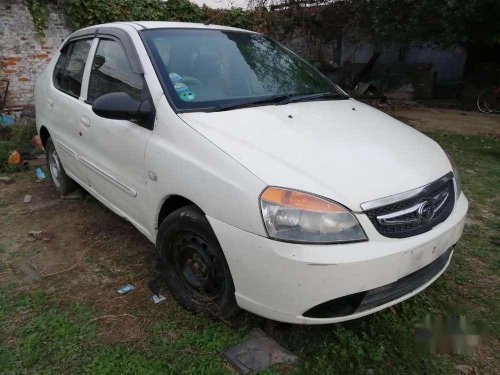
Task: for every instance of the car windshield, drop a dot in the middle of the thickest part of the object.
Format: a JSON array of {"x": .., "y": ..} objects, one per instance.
[{"x": 205, "y": 69}]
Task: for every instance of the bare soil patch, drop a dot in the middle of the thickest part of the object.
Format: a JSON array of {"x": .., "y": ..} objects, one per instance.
[
  {"x": 449, "y": 120},
  {"x": 83, "y": 254}
]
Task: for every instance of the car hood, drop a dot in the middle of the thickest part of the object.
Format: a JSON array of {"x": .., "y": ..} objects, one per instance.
[{"x": 342, "y": 149}]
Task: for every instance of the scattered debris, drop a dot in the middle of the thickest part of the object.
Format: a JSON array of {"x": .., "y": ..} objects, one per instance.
[
  {"x": 368, "y": 91},
  {"x": 157, "y": 298},
  {"x": 40, "y": 175},
  {"x": 14, "y": 158},
  {"x": 258, "y": 352},
  {"x": 406, "y": 88},
  {"x": 36, "y": 142},
  {"x": 404, "y": 93},
  {"x": 27, "y": 198},
  {"x": 50, "y": 290},
  {"x": 7, "y": 120},
  {"x": 365, "y": 70},
  {"x": 154, "y": 286},
  {"x": 38, "y": 235},
  {"x": 362, "y": 88},
  {"x": 6, "y": 180},
  {"x": 465, "y": 369},
  {"x": 125, "y": 289}
]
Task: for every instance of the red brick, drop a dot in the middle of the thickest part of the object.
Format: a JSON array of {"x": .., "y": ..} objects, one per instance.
[
  {"x": 9, "y": 71},
  {"x": 42, "y": 56},
  {"x": 23, "y": 79},
  {"x": 12, "y": 58},
  {"x": 9, "y": 62}
]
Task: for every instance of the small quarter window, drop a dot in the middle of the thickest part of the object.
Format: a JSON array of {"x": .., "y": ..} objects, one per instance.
[
  {"x": 59, "y": 69},
  {"x": 111, "y": 72},
  {"x": 68, "y": 73}
]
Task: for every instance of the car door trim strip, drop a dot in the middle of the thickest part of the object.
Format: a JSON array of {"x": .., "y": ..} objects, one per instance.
[
  {"x": 111, "y": 179},
  {"x": 67, "y": 149}
]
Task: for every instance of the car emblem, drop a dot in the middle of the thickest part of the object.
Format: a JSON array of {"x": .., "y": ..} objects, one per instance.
[
  {"x": 422, "y": 212},
  {"x": 426, "y": 211}
]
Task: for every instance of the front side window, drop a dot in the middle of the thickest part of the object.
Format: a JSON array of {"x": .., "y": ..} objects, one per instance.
[
  {"x": 111, "y": 72},
  {"x": 68, "y": 72},
  {"x": 205, "y": 69}
]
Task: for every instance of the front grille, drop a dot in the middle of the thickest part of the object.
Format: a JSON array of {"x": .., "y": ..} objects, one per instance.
[
  {"x": 358, "y": 302},
  {"x": 413, "y": 223}
]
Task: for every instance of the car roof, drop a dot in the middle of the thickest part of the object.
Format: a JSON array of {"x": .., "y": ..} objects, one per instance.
[{"x": 146, "y": 25}]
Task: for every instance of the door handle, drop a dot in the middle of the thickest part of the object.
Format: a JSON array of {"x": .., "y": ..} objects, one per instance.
[
  {"x": 85, "y": 121},
  {"x": 50, "y": 102}
]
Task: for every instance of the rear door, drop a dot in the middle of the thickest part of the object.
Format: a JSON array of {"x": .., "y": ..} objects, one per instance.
[
  {"x": 63, "y": 101},
  {"x": 113, "y": 154}
]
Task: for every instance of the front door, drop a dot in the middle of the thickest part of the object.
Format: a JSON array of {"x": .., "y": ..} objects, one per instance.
[{"x": 113, "y": 155}]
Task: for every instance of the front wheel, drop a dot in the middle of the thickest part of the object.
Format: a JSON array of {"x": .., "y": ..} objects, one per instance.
[{"x": 193, "y": 265}]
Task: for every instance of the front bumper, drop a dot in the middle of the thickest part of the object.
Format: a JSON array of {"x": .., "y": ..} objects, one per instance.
[{"x": 283, "y": 281}]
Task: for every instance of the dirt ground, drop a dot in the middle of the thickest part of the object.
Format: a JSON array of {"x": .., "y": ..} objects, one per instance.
[
  {"x": 449, "y": 120},
  {"x": 85, "y": 252}
]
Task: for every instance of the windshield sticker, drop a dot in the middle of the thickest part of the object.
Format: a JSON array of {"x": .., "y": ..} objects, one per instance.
[
  {"x": 180, "y": 87},
  {"x": 187, "y": 96},
  {"x": 174, "y": 77}
]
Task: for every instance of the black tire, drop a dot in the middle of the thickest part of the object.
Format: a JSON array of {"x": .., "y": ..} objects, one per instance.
[
  {"x": 62, "y": 183},
  {"x": 193, "y": 265}
]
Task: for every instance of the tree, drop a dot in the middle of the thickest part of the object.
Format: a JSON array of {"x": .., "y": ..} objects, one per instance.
[{"x": 435, "y": 21}]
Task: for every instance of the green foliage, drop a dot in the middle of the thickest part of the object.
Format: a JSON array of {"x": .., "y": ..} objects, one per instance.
[
  {"x": 39, "y": 12},
  {"x": 399, "y": 21},
  {"x": 445, "y": 22},
  {"x": 83, "y": 13}
]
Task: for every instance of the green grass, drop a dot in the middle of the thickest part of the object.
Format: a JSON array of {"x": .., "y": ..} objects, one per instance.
[{"x": 39, "y": 334}]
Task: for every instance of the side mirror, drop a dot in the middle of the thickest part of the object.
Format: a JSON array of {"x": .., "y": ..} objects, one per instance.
[{"x": 121, "y": 106}]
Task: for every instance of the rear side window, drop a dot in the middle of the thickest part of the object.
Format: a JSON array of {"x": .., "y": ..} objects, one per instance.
[
  {"x": 111, "y": 72},
  {"x": 68, "y": 73}
]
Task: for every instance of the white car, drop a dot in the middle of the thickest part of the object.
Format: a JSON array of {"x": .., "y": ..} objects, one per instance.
[{"x": 262, "y": 183}]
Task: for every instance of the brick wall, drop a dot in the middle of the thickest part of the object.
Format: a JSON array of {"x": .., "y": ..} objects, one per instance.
[{"x": 23, "y": 55}]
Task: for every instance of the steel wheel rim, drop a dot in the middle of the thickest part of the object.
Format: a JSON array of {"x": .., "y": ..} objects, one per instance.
[
  {"x": 55, "y": 168},
  {"x": 197, "y": 267}
]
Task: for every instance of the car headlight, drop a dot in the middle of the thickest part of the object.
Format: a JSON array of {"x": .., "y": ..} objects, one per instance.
[
  {"x": 456, "y": 175},
  {"x": 295, "y": 216}
]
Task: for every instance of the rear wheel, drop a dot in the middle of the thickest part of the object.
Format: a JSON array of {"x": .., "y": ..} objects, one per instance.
[
  {"x": 62, "y": 183},
  {"x": 193, "y": 265}
]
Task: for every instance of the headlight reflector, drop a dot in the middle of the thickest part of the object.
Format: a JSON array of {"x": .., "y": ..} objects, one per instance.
[{"x": 295, "y": 216}]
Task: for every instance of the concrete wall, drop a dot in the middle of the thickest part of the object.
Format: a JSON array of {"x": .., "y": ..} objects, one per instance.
[
  {"x": 23, "y": 55},
  {"x": 448, "y": 63}
]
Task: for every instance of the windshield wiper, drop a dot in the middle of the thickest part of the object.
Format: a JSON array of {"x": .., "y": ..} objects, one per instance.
[
  {"x": 298, "y": 98},
  {"x": 270, "y": 99},
  {"x": 278, "y": 99}
]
